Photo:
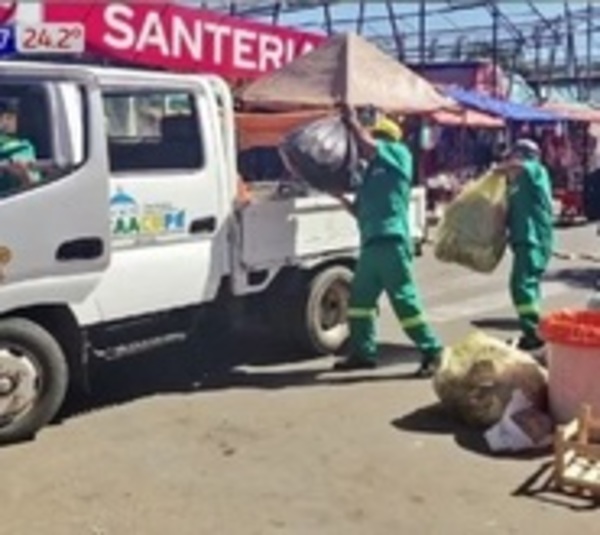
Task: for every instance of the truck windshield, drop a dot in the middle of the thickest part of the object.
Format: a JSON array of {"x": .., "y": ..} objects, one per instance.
[{"x": 42, "y": 134}]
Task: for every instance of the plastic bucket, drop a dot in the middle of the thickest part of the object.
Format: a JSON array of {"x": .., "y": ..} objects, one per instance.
[{"x": 573, "y": 339}]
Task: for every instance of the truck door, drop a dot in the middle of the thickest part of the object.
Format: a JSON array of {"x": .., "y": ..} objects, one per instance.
[
  {"x": 54, "y": 224},
  {"x": 168, "y": 232}
]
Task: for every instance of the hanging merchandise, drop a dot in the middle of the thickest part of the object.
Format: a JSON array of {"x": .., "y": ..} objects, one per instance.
[{"x": 430, "y": 135}]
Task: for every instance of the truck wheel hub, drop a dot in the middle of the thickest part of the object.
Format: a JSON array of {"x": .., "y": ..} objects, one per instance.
[
  {"x": 18, "y": 383},
  {"x": 334, "y": 306}
]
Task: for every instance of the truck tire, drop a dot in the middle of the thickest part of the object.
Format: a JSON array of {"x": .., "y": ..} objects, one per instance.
[
  {"x": 320, "y": 324},
  {"x": 33, "y": 379}
]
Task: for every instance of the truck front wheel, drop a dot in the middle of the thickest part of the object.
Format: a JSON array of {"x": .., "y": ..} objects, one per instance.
[
  {"x": 321, "y": 325},
  {"x": 33, "y": 379}
]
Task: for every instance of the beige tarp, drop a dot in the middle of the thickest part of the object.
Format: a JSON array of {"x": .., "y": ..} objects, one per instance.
[{"x": 346, "y": 68}]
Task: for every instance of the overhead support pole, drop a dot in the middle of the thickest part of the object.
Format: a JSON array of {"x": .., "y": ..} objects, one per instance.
[
  {"x": 589, "y": 46},
  {"x": 395, "y": 30},
  {"x": 360, "y": 21},
  {"x": 422, "y": 30},
  {"x": 495, "y": 56},
  {"x": 328, "y": 18},
  {"x": 276, "y": 13}
]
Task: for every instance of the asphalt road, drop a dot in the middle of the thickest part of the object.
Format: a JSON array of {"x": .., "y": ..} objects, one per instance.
[{"x": 253, "y": 440}]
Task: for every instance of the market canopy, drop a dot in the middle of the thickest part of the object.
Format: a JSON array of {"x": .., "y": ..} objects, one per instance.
[
  {"x": 510, "y": 111},
  {"x": 574, "y": 111},
  {"x": 346, "y": 68},
  {"x": 467, "y": 118}
]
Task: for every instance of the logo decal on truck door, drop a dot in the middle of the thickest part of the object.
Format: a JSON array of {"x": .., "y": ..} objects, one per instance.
[{"x": 132, "y": 219}]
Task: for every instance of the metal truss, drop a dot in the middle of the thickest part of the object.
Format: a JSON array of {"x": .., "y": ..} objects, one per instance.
[{"x": 532, "y": 36}]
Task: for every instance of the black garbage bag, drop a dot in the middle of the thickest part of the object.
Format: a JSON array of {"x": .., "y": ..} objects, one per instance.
[{"x": 323, "y": 153}]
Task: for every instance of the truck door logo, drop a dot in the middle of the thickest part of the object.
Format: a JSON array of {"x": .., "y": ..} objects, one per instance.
[{"x": 130, "y": 218}]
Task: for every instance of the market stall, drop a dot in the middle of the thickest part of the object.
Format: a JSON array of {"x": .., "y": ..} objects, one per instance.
[
  {"x": 574, "y": 157},
  {"x": 344, "y": 69}
]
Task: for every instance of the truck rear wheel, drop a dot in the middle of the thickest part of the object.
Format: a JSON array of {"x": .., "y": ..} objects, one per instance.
[
  {"x": 321, "y": 324},
  {"x": 33, "y": 379}
]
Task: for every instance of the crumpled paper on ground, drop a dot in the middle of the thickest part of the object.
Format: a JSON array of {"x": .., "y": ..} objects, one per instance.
[{"x": 522, "y": 427}]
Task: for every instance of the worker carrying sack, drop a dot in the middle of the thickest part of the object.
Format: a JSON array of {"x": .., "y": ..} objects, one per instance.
[
  {"x": 323, "y": 153},
  {"x": 473, "y": 229}
]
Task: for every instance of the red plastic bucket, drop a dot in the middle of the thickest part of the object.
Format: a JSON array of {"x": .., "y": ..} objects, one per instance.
[{"x": 573, "y": 338}]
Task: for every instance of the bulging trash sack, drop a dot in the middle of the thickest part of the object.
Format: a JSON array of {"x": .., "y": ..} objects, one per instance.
[
  {"x": 472, "y": 232},
  {"x": 323, "y": 153},
  {"x": 573, "y": 339},
  {"x": 478, "y": 376}
]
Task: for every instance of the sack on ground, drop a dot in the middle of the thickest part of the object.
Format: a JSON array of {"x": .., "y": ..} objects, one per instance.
[
  {"x": 477, "y": 378},
  {"x": 473, "y": 229},
  {"x": 323, "y": 153}
]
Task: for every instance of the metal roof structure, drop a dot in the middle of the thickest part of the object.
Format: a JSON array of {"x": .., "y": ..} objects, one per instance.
[{"x": 536, "y": 37}]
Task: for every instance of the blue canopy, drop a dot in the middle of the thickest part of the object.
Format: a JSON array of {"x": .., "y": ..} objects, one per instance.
[{"x": 510, "y": 111}]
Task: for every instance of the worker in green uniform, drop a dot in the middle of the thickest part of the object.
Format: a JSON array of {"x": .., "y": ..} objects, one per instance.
[
  {"x": 15, "y": 153},
  {"x": 386, "y": 259},
  {"x": 531, "y": 230}
]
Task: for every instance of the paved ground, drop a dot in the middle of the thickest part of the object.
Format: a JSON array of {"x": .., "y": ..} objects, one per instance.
[{"x": 238, "y": 445}]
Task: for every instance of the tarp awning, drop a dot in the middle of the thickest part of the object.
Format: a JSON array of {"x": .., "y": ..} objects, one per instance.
[
  {"x": 577, "y": 112},
  {"x": 467, "y": 118},
  {"x": 346, "y": 68},
  {"x": 269, "y": 129},
  {"x": 510, "y": 111}
]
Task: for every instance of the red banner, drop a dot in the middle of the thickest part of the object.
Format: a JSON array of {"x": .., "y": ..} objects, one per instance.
[{"x": 180, "y": 38}]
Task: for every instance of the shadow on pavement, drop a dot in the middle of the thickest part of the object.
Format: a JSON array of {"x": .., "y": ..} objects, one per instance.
[
  {"x": 253, "y": 363},
  {"x": 497, "y": 324},
  {"x": 585, "y": 277},
  {"x": 540, "y": 486},
  {"x": 434, "y": 420}
]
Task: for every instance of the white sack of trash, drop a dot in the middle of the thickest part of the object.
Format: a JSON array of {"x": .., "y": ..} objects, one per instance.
[{"x": 478, "y": 376}]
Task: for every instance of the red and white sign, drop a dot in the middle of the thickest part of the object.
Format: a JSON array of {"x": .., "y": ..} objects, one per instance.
[{"x": 180, "y": 38}]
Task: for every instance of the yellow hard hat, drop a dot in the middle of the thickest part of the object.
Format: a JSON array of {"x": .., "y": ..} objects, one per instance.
[{"x": 388, "y": 128}]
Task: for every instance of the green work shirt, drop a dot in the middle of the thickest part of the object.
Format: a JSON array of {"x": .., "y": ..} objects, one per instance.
[
  {"x": 383, "y": 198},
  {"x": 13, "y": 149},
  {"x": 530, "y": 215}
]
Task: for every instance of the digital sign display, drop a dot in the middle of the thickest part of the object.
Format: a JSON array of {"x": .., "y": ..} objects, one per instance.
[{"x": 43, "y": 38}]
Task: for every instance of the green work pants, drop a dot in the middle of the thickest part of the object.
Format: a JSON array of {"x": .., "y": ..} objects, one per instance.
[
  {"x": 387, "y": 265},
  {"x": 529, "y": 265}
]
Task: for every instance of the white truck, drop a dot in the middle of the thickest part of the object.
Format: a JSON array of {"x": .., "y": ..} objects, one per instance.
[{"x": 133, "y": 231}]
